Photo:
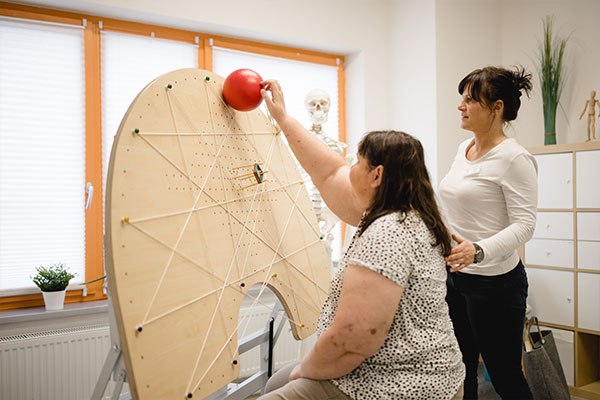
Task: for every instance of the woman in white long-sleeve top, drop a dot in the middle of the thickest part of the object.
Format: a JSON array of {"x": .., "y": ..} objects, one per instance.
[
  {"x": 489, "y": 200},
  {"x": 384, "y": 331}
]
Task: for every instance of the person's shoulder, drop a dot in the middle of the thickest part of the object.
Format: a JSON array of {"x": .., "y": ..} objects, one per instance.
[
  {"x": 513, "y": 148},
  {"x": 384, "y": 222},
  {"x": 517, "y": 155},
  {"x": 389, "y": 223},
  {"x": 393, "y": 230},
  {"x": 403, "y": 223}
]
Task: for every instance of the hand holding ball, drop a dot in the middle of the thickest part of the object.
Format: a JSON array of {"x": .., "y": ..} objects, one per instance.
[{"x": 242, "y": 89}]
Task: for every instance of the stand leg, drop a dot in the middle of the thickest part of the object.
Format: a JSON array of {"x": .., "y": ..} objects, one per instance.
[
  {"x": 113, "y": 357},
  {"x": 113, "y": 364}
]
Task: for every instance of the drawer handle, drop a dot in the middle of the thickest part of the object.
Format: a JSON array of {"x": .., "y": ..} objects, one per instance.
[
  {"x": 548, "y": 252},
  {"x": 547, "y": 226},
  {"x": 569, "y": 299}
]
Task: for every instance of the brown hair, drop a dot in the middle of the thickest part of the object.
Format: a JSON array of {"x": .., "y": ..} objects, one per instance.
[
  {"x": 405, "y": 183},
  {"x": 489, "y": 84}
]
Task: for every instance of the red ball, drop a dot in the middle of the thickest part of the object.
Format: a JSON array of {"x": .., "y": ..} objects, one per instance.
[{"x": 242, "y": 89}]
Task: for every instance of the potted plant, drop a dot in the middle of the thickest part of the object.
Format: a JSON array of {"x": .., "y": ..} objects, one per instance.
[
  {"x": 53, "y": 282},
  {"x": 551, "y": 72}
]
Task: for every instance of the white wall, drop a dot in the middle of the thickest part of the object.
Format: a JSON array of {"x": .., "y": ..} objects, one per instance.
[
  {"x": 475, "y": 33},
  {"x": 521, "y": 32},
  {"x": 413, "y": 74},
  {"x": 467, "y": 37}
]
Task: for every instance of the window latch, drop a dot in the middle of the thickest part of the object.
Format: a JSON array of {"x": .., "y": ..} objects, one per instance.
[{"x": 89, "y": 190}]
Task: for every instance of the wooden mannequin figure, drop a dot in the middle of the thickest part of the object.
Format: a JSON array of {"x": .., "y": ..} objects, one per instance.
[{"x": 591, "y": 125}]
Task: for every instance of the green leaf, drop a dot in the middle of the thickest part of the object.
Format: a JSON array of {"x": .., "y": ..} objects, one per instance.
[
  {"x": 53, "y": 278},
  {"x": 551, "y": 71}
]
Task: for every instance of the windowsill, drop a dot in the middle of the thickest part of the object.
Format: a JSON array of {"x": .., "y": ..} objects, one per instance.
[{"x": 39, "y": 313}]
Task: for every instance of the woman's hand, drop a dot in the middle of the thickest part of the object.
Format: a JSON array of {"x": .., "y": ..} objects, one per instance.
[
  {"x": 296, "y": 372},
  {"x": 462, "y": 254},
  {"x": 275, "y": 103}
]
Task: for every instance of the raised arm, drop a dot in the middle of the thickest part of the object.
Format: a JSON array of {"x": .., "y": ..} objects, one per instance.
[{"x": 328, "y": 170}]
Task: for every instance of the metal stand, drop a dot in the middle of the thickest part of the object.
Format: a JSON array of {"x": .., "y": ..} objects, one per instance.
[
  {"x": 113, "y": 365},
  {"x": 266, "y": 338}
]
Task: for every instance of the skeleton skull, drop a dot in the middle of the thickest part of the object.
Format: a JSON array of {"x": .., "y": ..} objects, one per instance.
[{"x": 317, "y": 103}]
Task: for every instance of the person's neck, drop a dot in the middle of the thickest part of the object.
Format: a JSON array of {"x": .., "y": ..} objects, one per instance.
[{"x": 484, "y": 142}]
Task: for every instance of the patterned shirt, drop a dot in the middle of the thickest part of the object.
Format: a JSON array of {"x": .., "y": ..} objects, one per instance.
[{"x": 420, "y": 358}]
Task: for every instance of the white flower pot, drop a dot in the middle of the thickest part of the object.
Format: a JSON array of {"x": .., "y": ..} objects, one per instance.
[{"x": 54, "y": 300}]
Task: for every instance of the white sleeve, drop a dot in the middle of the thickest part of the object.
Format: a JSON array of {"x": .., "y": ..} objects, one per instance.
[{"x": 519, "y": 186}]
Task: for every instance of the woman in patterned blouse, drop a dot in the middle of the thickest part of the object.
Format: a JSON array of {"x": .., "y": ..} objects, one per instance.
[{"x": 384, "y": 330}]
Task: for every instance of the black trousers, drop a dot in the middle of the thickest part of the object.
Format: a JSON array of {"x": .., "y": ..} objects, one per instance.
[{"x": 488, "y": 313}]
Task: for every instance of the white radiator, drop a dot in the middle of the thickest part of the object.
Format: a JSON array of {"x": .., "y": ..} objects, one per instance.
[
  {"x": 61, "y": 364},
  {"x": 64, "y": 364}
]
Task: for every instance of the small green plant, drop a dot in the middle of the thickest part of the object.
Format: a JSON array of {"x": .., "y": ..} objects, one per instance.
[{"x": 53, "y": 278}]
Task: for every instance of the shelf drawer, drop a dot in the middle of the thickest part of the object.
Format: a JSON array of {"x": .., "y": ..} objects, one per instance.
[
  {"x": 551, "y": 253},
  {"x": 588, "y": 189},
  {"x": 554, "y": 225},
  {"x": 551, "y": 295},
  {"x": 588, "y": 225},
  {"x": 555, "y": 180},
  {"x": 588, "y": 255},
  {"x": 588, "y": 304}
]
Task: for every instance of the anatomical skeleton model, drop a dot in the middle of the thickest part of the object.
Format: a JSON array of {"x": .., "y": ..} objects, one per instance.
[{"x": 317, "y": 104}]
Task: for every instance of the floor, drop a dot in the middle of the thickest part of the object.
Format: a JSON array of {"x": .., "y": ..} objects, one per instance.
[{"x": 486, "y": 390}]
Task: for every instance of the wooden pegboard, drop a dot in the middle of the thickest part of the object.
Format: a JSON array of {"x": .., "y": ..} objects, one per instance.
[{"x": 189, "y": 229}]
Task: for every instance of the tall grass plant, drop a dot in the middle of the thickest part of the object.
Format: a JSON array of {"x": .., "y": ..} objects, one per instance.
[{"x": 551, "y": 71}]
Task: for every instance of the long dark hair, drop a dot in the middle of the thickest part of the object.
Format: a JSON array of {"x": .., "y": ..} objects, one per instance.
[
  {"x": 405, "y": 182},
  {"x": 489, "y": 84}
]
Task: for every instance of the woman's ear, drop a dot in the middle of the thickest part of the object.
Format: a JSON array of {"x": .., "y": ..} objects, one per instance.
[
  {"x": 498, "y": 107},
  {"x": 376, "y": 176}
]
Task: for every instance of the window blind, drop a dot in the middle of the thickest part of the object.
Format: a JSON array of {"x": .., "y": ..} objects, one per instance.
[
  {"x": 129, "y": 63},
  {"x": 42, "y": 151}
]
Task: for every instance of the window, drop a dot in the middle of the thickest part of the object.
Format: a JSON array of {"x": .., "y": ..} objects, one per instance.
[
  {"x": 66, "y": 80},
  {"x": 42, "y": 151}
]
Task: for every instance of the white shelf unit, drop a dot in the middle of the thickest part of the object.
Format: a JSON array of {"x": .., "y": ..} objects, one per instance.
[{"x": 563, "y": 259}]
